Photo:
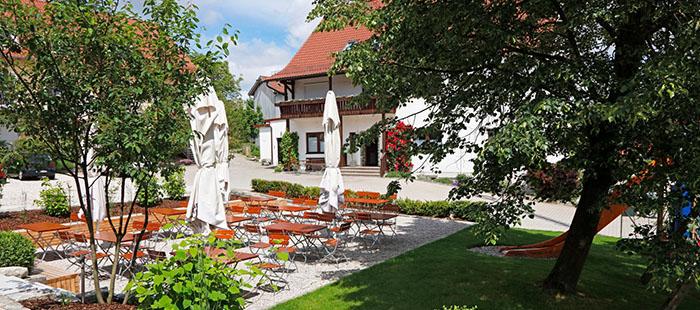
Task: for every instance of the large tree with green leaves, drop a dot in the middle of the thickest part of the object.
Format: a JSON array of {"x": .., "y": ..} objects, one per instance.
[
  {"x": 605, "y": 85},
  {"x": 241, "y": 113},
  {"x": 104, "y": 88}
]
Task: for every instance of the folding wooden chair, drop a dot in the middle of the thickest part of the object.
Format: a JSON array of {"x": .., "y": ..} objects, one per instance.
[
  {"x": 367, "y": 228},
  {"x": 278, "y": 258},
  {"x": 338, "y": 239},
  {"x": 82, "y": 254}
]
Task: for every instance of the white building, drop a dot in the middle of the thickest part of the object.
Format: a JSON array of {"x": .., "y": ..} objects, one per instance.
[{"x": 293, "y": 99}]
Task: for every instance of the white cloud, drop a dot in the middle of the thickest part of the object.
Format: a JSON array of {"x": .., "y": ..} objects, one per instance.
[
  {"x": 257, "y": 57},
  {"x": 253, "y": 57}
]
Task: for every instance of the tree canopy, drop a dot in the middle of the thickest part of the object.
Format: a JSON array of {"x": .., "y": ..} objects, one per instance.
[
  {"x": 242, "y": 114},
  {"x": 609, "y": 86},
  {"x": 104, "y": 88}
]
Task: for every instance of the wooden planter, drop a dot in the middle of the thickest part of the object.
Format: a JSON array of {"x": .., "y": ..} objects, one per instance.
[
  {"x": 69, "y": 282},
  {"x": 60, "y": 278}
]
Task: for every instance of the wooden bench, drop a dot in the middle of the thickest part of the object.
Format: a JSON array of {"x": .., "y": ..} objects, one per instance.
[{"x": 315, "y": 164}]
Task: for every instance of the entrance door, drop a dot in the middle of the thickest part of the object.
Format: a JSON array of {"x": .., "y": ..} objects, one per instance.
[{"x": 372, "y": 154}]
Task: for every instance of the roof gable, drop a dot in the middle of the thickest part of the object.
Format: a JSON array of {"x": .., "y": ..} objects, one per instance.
[{"x": 315, "y": 57}]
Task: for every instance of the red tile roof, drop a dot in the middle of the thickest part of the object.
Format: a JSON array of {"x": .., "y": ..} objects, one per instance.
[
  {"x": 274, "y": 85},
  {"x": 41, "y": 6},
  {"x": 315, "y": 56}
]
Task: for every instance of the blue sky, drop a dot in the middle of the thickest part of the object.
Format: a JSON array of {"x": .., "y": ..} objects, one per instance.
[{"x": 270, "y": 32}]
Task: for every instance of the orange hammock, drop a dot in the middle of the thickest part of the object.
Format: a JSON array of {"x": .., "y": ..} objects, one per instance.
[{"x": 552, "y": 247}]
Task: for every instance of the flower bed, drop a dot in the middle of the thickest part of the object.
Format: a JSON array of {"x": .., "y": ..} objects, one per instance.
[
  {"x": 10, "y": 220},
  {"x": 51, "y": 304}
]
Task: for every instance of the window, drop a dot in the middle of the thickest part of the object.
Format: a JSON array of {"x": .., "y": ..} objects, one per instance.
[{"x": 314, "y": 143}]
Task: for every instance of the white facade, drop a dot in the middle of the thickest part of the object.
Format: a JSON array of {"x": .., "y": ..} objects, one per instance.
[
  {"x": 352, "y": 124},
  {"x": 265, "y": 98},
  {"x": 312, "y": 88},
  {"x": 460, "y": 162},
  {"x": 268, "y": 140},
  {"x": 8, "y": 135}
]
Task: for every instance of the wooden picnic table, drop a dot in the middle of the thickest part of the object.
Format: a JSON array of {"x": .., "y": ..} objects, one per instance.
[
  {"x": 168, "y": 211},
  {"x": 293, "y": 208},
  {"x": 43, "y": 227},
  {"x": 111, "y": 237},
  {"x": 40, "y": 229},
  {"x": 249, "y": 199},
  {"x": 169, "y": 216},
  {"x": 222, "y": 254},
  {"x": 296, "y": 228},
  {"x": 237, "y": 219}
]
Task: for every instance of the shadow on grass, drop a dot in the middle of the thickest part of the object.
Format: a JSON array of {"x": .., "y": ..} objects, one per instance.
[{"x": 445, "y": 272}]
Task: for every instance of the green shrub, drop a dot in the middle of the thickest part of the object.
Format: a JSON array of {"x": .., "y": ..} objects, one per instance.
[
  {"x": 312, "y": 192},
  {"x": 289, "y": 150},
  {"x": 150, "y": 193},
  {"x": 53, "y": 199},
  {"x": 279, "y": 168},
  {"x": 64, "y": 165},
  {"x": 16, "y": 250},
  {"x": 459, "y": 308},
  {"x": 397, "y": 174},
  {"x": 190, "y": 279},
  {"x": 463, "y": 209},
  {"x": 174, "y": 184},
  {"x": 255, "y": 151},
  {"x": 292, "y": 190}
]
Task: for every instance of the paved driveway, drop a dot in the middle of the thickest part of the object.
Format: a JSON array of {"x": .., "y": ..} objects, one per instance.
[
  {"x": 19, "y": 195},
  {"x": 548, "y": 216}
]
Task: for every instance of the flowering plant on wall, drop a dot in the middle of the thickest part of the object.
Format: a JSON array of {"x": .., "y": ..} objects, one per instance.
[{"x": 398, "y": 148}]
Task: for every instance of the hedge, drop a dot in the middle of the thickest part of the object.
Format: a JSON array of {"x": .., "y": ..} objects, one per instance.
[
  {"x": 292, "y": 190},
  {"x": 457, "y": 209},
  {"x": 461, "y": 209}
]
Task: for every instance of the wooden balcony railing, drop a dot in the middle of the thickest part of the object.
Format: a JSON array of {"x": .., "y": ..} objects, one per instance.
[{"x": 314, "y": 107}]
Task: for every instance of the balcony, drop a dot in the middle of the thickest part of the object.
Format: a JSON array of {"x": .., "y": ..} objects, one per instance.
[{"x": 301, "y": 108}]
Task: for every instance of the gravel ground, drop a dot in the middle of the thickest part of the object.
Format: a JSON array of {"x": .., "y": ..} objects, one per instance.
[
  {"x": 488, "y": 250},
  {"x": 20, "y": 195},
  {"x": 412, "y": 233}
]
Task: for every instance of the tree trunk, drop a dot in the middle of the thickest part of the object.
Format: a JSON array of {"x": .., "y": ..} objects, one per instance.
[
  {"x": 115, "y": 266},
  {"x": 597, "y": 181},
  {"x": 677, "y": 296}
]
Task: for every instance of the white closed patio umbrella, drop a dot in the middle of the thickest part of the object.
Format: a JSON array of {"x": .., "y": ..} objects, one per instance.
[
  {"x": 221, "y": 140},
  {"x": 205, "y": 209},
  {"x": 332, "y": 187}
]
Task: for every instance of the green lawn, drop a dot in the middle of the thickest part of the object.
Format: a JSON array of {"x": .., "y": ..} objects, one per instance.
[{"x": 446, "y": 273}]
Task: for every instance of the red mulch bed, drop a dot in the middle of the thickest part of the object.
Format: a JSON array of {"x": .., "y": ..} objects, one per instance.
[
  {"x": 10, "y": 220},
  {"x": 48, "y": 304}
]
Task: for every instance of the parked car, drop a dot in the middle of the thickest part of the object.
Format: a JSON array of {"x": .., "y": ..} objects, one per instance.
[{"x": 35, "y": 166}]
